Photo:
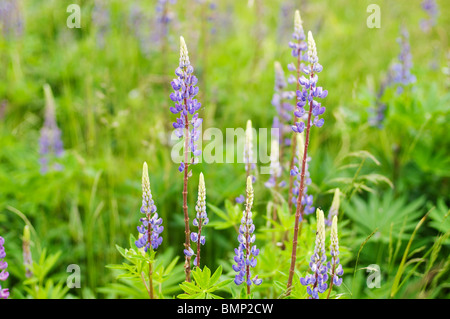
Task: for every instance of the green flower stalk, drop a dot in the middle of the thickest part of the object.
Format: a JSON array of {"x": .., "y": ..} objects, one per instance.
[{"x": 27, "y": 258}]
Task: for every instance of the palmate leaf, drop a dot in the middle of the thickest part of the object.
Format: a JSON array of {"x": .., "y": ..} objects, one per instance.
[
  {"x": 383, "y": 211},
  {"x": 229, "y": 218},
  {"x": 204, "y": 284}
]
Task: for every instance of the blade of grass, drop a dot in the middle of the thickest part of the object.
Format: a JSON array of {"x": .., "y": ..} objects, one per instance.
[{"x": 401, "y": 268}]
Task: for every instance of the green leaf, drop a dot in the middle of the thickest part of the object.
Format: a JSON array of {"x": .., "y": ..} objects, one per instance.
[
  {"x": 190, "y": 288},
  {"x": 216, "y": 276}
]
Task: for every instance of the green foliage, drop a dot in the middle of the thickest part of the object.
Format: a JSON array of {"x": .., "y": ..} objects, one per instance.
[
  {"x": 112, "y": 106},
  {"x": 204, "y": 284},
  {"x": 384, "y": 213},
  {"x": 133, "y": 275},
  {"x": 41, "y": 285}
]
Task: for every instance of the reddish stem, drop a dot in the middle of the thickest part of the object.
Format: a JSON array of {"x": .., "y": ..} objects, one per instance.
[{"x": 300, "y": 208}]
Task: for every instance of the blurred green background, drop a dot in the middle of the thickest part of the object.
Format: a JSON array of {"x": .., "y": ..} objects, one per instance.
[{"x": 111, "y": 84}]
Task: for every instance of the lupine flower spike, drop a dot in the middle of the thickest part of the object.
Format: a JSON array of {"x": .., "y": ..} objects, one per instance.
[
  {"x": 280, "y": 101},
  {"x": 299, "y": 48},
  {"x": 186, "y": 106},
  {"x": 11, "y": 19},
  {"x": 50, "y": 142},
  {"x": 186, "y": 126},
  {"x": 4, "y": 292},
  {"x": 317, "y": 281},
  {"x": 248, "y": 157},
  {"x": 200, "y": 220},
  {"x": 310, "y": 91},
  {"x": 401, "y": 70},
  {"x": 151, "y": 223},
  {"x": 27, "y": 258},
  {"x": 334, "y": 209},
  {"x": 151, "y": 228},
  {"x": 432, "y": 10},
  {"x": 247, "y": 251},
  {"x": 335, "y": 268}
]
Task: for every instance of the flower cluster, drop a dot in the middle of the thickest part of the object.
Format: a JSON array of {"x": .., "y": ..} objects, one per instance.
[
  {"x": 307, "y": 200},
  {"x": 50, "y": 143},
  {"x": 431, "y": 8},
  {"x": 378, "y": 113},
  {"x": 200, "y": 220},
  {"x": 247, "y": 250},
  {"x": 335, "y": 267},
  {"x": 11, "y": 18},
  {"x": 151, "y": 228},
  {"x": 401, "y": 70},
  {"x": 185, "y": 104},
  {"x": 101, "y": 20},
  {"x": 310, "y": 90},
  {"x": 4, "y": 293},
  {"x": 298, "y": 51},
  {"x": 280, "y": 101},
  {"x": 298, "y": 35},
  {"x": 317, "y": 281}
]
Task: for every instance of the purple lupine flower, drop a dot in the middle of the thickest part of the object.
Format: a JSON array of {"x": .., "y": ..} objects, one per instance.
[
  {"x": 432, "y": 10},
  {"x": 280, "y": 101},
  {"x": 101, "y": 21},
  {"x": 11, "y": 19},
  {"x": 4, "y": 292},
  {"x": 186, "y": 105},
  {"x": 247, "y": 251},
  {"x": 298, "y": 35},
  {"x": 151, "y": 228},
  {"x": 240, "y": 199},
  {"x": 163, "y": 17},
  {"x": 401, "y": 70},
  {"x": 50, "y": 142},
  {"x": 310, "y": 90},
  {"x": 299, "y": 51},
  {"x": 334, "y": 209},
  {"x": 317, "y": 281},
  {"x": 307, "y": 200},
  {"x": 210, "y": 10},
  {"x": 200, "y": 220},
  {"x": 284, "y": 24},
  {"x": 335, "y": 268}
]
